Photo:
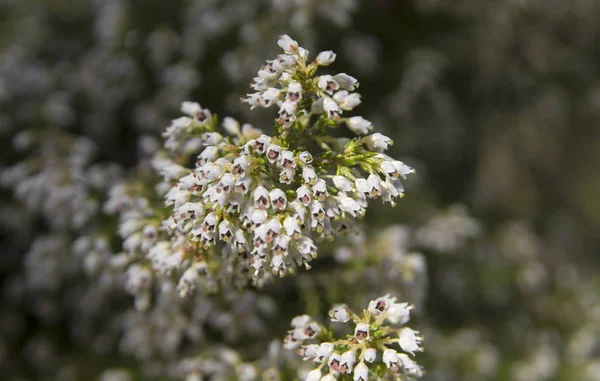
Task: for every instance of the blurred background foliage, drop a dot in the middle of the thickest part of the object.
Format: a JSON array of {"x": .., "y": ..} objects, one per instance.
[{"x": 495, "y": 103}]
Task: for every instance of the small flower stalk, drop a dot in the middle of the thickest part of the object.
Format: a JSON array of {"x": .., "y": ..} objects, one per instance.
[{"x": 380, "y": 346}]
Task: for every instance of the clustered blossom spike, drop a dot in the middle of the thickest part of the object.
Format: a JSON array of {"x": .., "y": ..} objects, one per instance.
[
  {"x": 268, "y": 199},
  {"x": 378, "y": 348}
]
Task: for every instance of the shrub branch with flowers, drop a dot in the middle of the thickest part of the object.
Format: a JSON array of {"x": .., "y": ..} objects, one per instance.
[{"x": 262, "y": 203}]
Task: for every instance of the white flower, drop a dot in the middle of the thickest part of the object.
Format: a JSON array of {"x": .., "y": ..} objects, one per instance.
[
  {"x": 327, "y": 84},
  {"x": 304, "y": 195},
  {"x": 308, "y": 351},
  {"x": 325, "y": 58},
  {"x": 361, "y": 372},
  {"x": 301, "y": 321},
  {"x": 249, "y": 132},
  {"x": 347, "y": 362},
  {"x": 342, "y": 183},
  {"x": 270, "y": 97},
  {"x": 292, "y": 228},
  {"x": 370, "y": 354},
  {"x": 409, "y": 365},
  {"x": 398, "y": 313},
  {"x": 349, "y": 205},
  {"x": 273, "y": 229},
  {"x": 324, "y": 351},
  {"x": 390, "y": 359},
  {"x": 309, "y": 175},
  {"x": 395, "y": 168},
  {"x": 261, "y": 197},
  {"x": 190, "y": 108},
  {"x": 286, "y": 176},
  {"x": 294, "y": 92},
  {"x": 281, "y": 244},
  {"x": 320, "y": 190},
  {"x": 286, "y": 43},
  {"x": 302, "y": 55},
  {"x": 359, "y": 125},
  {"x": 381, "y": 304},
  {"x": 316, "y": 210},
  {"x": 287, "y": 160},
  {"x": 378, "y": 142},
  {"x": 334, "y": 362},
  {"x": 258, "y": 217},
  {"x": 347, "y": 101},
  {"x": 273, "y": 153},
  {"x": 306, "y": 247},
  {"x": 212, "y": 138},
  {"x": 225, "y": 231},
  {"x": 331, "y": 108},
  {"x": 287, "y": 112},
  {"x": 231, "y": 126},
  {"x": 361, "y": 332},
  {"x": 242, "y": 184},
  {"x": 278, "y": 199},
  {"x": 410, "y": 340},
  {"x": 305, "y": 157},
  {"x": 346, "y": 81},
  {"x": 339, "y": 313},
  {"x": 313, "y": 375},
  {"x": 328, "y": 377}
]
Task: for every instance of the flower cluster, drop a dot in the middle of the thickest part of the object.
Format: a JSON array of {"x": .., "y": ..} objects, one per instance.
[
  {"x": 373, "y": 348},
  {"x": 268, "y": 198}
]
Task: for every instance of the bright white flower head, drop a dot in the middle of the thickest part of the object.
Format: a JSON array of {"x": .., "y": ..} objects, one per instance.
[
  {"x": 372, "y": 334},
  {"x": 265, "y": 202},
  {"x": 325, "y": 58}
]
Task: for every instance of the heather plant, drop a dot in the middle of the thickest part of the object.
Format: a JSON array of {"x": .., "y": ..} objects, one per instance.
[{"x": 144, "y": 236}]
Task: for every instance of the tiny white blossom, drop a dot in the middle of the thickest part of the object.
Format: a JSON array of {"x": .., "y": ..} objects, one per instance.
[
  {"x": 342, "y": 183},
  {"x": 327, "y": 84},
  {"x": 270, "y": 97},
  {"x": 294, "y": 92},
  {"x": 292, "y": 228},
  {"x": 361, "y": 372},
  {"x": 190, "y": 108},
  {"x": 305, "y": 157},
  {"x": 303, "y": 194},
  {"x": 398, "y": 313},
  {"x": 273, "y": 153},
  {"x": 320, "y": 190},
  {"x": 347, "y": 362},
  {"x": 331, "y": 108},
  {"x": 370, "y": 354},
  {"x": 287, "y": 44},
  {"x": 325, "y": 58},
  {"x": 359, "y": 125},
  {"x": 346, "y": 101},
  {"x": 339, "y": 313},
  {"x": 334, "y": 362},
  {"x": 390, "y": 359},
  {"x": 378, "y": 142},
  {"x": 346, "y": 81},
  {"x": 410, "y": 340},
  {"x": 313, "y": 375},
  {"x": 278, "y": 199},
  {"x": 231, "y": 126},
  {"x": 261, "y": 197},
  {"x": 309, "y": 175},
  {"x": 301, "y": 321},
  {"x": 287, "y": 160},
  {"x": 361, "y": 332},
  {"x": 324, "y": 351}
]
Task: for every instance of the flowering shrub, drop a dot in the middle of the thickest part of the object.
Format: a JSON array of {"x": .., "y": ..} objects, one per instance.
[{"x": 146, "y": 237}]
